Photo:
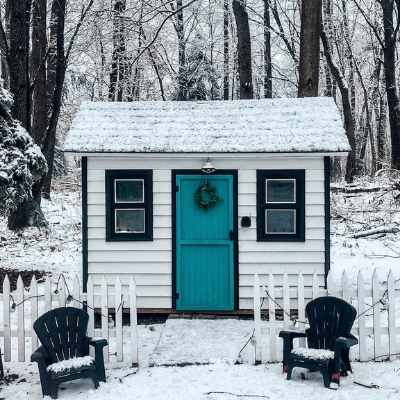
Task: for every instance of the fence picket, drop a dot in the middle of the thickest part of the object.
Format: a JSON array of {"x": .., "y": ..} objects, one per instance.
[
  {"x": 286, "y": 300},
  {"x": 48, "y": 304},
  {"x": 76, "y": 293},
  {"x": 21, "y": 319},
  {"x": 257, "y": 320},
  {"x": 62, "y": 292},
  {"x": 345, "y": 287},
  {"x": 301, "y": 306},
  {"x": 361, "y": 317},
  {"x": 90, "y": 311},
  {"x": 6, "y": 319},
  {"x": 272, "y": 318},
  {"x": 118, "y": 318},
  {"x": 104, "y": 313},
  {"x": 330, "y": 286},
  {"x": 376, "y": 316},
  {"x": 391, "y": 316},
  {"x": 133, "y": 321},
  {"x": 315, "y": 285},
  {"x": 34, "y": 312}
]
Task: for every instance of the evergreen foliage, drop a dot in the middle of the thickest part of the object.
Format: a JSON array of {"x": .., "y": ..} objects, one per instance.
[{"x": 21, "y": 161}]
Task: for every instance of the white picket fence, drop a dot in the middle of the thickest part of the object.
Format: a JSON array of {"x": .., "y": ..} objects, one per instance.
[
  {"x": 22, "y": 307},
  {"x": 375, "y": 326}
]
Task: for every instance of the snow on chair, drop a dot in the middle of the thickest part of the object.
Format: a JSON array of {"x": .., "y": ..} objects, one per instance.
[
  {"x": 64, "y": 354},
  {"x": 329, "y": 340}
]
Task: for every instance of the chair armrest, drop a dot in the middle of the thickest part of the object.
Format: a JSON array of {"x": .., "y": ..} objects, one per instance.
[
  {"x": 98, "y": 345},
  {"x": 346, "y": 341},
  {"x": 288, "y": 337},
  {"x": 41, "y": 354},
  {"x": 291, "y": 334}
]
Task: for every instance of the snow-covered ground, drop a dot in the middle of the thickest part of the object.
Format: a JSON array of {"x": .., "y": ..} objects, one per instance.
[{"x": 213, "y": 345}]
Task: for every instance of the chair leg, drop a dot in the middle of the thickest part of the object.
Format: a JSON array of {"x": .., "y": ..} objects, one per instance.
[
  {"x": 327, "y": 378},
  {"x": 54, "y": 390},
  {"x": 95, "y": 380},
  {"x": 289, "y": 372},
  {"x": 346, "y": 361}
]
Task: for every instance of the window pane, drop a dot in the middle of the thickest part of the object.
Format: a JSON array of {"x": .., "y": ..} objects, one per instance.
[
  {"x": 129, "y": 191},
  {"x": 129, "y": 221},
  {"x": 280, "y": 191},
  {"x": 280, "y": 221}
]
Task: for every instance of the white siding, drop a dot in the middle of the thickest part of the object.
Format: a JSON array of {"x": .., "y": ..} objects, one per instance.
[{"x": 150, "y": 262}]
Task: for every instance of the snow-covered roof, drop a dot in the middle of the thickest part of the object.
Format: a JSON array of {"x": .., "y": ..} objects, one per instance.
[{"x": 239, "y": 126}]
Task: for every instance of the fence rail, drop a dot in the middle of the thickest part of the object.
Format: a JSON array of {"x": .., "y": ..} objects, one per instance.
[
  {"x": 21, "y": 308},
  {"x": 375, "y": 325}
]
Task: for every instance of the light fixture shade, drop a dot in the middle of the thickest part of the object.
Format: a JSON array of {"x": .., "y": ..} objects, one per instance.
[{"x": 208, "y": 168}]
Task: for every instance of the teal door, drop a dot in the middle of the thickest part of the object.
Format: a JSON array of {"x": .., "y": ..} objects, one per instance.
[{"x": 204, "y": 242}]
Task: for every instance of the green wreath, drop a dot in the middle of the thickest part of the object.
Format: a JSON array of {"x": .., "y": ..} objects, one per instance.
[{"x": 214, "y": 199}]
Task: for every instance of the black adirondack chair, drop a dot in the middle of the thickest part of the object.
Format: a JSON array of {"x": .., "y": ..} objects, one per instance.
[
  {"x": 330, "y": 322},
  {"x": 62, "y": 332}
]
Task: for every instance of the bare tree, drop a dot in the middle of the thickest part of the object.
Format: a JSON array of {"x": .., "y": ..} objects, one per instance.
[
  {"x": 311, "y": 16},
  {"x": 243, "y": 49},
  {"x": 267, "y": 51}
]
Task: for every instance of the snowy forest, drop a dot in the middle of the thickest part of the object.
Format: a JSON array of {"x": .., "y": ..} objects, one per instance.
[{"x": 57, "y": 53}]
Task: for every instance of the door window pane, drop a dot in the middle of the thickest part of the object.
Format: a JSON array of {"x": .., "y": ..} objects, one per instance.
[
  {"x": 280, "y": 191},
  {"x": 280, "y": 221},
  {"x": 129, "y": 221},
  {"x": 129, "y": 190}
]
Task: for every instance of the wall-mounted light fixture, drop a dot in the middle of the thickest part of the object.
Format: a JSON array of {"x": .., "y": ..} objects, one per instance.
[{"x": 208, "y": 168}]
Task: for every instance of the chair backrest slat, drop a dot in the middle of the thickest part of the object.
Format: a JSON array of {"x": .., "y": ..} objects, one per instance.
[
  {"x": 62, "y": 332},
  {"x": 73, "y": 327},
  {"x": 60, "y": 315},
  {"x": 81, "y": 333},
  {"x": 329, "y": 318}
]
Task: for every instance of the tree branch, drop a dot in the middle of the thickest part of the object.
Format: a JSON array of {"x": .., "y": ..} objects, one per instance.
[
  {"x": 160, "y": 27},
  {"x": 32, "y": 85},
  {"x": 78, "y": 26},
  {"x": 371, "y": 25}
]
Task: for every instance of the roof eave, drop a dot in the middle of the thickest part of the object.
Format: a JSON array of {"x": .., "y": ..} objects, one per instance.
[{"x": 335, "y": 153}]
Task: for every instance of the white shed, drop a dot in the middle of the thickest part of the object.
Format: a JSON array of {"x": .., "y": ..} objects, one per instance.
[{"x": 193, "y": 198}]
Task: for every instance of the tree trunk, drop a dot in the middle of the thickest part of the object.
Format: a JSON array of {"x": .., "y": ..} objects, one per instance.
[
  {"x": 19, "y": 60},
  {"x": 243, "y": 49},
  {"x": 122, "y": 61},
  {"x": 19, "y": 87},
  {"x": 267, "y": 53},
  {"x": 309, "y": 48},
  {"x": 4, "y": 41},
  {"x": 348, "y": 117},
  {"x": 52, "y": 59},
  {"x": 50, "y": 141},
  {"x": 226, "y": 49},
  {"x": 180, "y": 30},
  {"x": 38, "y": 68},
  {"x": 327, "y": 16},
  {"x": 117, "y": 66},
  {"x": 381, "y": 134},
  {"x": 389, "y": 58}
]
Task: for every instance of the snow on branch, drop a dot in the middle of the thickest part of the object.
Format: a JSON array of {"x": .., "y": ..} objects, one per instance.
[{"x": 370, "y": 232}]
